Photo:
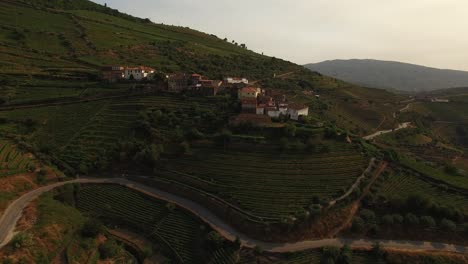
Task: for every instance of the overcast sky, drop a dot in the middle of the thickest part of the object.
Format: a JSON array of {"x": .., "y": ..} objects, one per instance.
[{"x": 427, "y": 32}]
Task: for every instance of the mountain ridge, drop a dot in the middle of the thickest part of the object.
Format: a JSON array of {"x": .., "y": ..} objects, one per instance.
[{"x": 391, "y": 74}]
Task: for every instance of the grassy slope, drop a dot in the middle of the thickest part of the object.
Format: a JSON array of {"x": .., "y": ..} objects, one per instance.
[{"x": 71, "y": 44}]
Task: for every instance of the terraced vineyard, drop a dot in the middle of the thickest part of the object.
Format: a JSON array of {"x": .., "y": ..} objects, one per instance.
[
  {"x": 224, "y": 256},
  {"x": 12, "y": 161},
  {"x": 173, "y": 228},
  {"x": 269, "y": 184},
  {"x": 401, "y": 186},
  {"x": 114, "y": 121}
]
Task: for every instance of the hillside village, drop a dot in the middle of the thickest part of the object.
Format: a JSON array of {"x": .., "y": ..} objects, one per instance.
[{"x": 258, "y": 105}]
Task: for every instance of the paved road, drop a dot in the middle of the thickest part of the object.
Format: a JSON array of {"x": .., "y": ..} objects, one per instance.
[{"x": 13, "y": 213}]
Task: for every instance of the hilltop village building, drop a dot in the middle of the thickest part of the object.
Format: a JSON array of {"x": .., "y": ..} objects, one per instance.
[
  {"x": 138, "y": 73},
  {"x": 236, "y": 80},
  {"x": 271, "y": 103},
  {"x": 117, "y": 73},
  {"x": 196, "y": 83}
]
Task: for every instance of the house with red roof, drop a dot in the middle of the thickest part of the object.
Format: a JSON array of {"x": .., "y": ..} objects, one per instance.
[{"x": 248, "y": 92}]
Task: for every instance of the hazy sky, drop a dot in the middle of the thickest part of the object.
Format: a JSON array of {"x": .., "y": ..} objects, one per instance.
[{"x": 427, "y": 32}]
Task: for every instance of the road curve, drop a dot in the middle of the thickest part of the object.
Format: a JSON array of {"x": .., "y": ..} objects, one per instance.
[{"x": 13, "y": 213}]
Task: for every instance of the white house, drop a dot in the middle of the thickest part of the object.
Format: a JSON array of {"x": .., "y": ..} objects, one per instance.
[
  {"x": 273, "y": 112},
  {"x": 297, "y": 110},
  {"x": 261, "y": 109},
  {"x": 236, "y": 80},
  {"x": 137, "y": 73},
  {"x": 283, "y": 108}
]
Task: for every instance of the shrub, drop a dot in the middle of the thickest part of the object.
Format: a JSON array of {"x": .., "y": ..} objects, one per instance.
[
  {"x": 22, "y": 240},
  {"x": 108, "y": 249},
  {"x": 367, "y": 215}
]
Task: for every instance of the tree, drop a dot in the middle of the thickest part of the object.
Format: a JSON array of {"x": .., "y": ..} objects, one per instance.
[
  {"x": 411, "y": 219},
  {"x": 215, "y": 239},
  {"x": 397, "y": 219},
  {"x": 358, "y": 224},
  {"x": 367, "y": 215},
  {"x": 417, "y": 202},
  {"x": 378, "y": 250},
  {"x": 387, "y": 220},
  {"x": 428, "y": 221},
  {"x": 448, "y": 225},
  {"x": 290, "y": 130},
  {"x": 258, "y": 250},
  {"x": 346, "y": 255}
]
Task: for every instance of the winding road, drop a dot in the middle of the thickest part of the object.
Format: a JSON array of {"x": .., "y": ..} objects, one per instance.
[{"x": 14, "y": 211}]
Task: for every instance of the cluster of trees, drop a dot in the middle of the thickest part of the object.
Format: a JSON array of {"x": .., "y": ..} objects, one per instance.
[{"x": 415, "y": 211}]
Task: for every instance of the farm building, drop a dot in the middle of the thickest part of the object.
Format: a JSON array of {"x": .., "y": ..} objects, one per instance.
[
  {"x": 112, "y": 73},
  {"x": 138, "y": 73},
  {"x": 297, "y": 110}
]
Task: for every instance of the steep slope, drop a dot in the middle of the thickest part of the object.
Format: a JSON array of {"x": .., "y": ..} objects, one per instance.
[
  {"x": 393, "y": 75},
  {"x": 39, "y": 38}
]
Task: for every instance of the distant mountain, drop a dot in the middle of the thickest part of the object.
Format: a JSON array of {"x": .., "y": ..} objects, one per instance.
[{"x": 391, "y": 75}]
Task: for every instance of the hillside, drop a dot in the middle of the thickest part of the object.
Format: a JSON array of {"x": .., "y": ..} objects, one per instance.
[
  {"x": 144, "y": 171},
  {"x": 391, "y": 75}
]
